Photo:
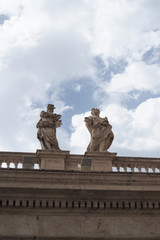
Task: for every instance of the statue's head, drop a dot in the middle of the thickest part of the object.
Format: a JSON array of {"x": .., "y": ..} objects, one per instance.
[
  {"x": 50, "y": 108},
  {"x": 95, "y": 112}
]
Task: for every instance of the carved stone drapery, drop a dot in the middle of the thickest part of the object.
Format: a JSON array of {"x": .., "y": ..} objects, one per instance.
[
  {"x": 100, "y": 131},
  {"x": 47, "y": 125}
]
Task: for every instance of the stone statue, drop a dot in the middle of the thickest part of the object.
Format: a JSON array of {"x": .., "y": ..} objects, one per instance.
[
  {"x": 100, "y": 130},
  {"x": 47, "y": 129}
]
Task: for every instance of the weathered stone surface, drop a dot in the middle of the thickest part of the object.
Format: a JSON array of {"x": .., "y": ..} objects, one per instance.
[
  {"x": 100, "y": 130},
  {"x": 52, "y": 160},
  {"x": 66, "y": 203},
  {"x": 101, "y": 161},
  {"x": 78, "y": 205},
  {"x": 47, "y": 129},
  {"x": 90, "y": 226},
  {"x": 28, "y": 162},
  {"x": 73, "y": 161},
  {"x": 40, "y": 179},
  {"x": 86, "y": 164}
]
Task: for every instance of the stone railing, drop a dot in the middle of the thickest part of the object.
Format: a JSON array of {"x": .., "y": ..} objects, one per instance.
[
  {"x": 15, "y": 160},
  {"x": 71, "y": 162},
  {"x": 136, "y": 164}
]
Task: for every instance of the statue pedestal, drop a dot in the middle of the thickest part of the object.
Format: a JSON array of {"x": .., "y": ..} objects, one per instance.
[
  {"x": 98, "y": 161},
  {"x": 52, "y": 160}
]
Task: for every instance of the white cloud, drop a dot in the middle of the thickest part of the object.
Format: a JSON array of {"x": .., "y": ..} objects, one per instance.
[
  {"x": 137, "y": 76},
  {"x": 136, "y": 131},
  {"x": 39, "y": 51},
  {"x": 124, "y": 29},
  {"x": 80, "y": 136},
  {"x": 46, "y": 44}
]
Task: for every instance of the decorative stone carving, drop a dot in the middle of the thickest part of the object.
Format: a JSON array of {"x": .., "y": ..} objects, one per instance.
[
  {"x": 100, "y": 130},
  {"x": 47, "y": 129}
]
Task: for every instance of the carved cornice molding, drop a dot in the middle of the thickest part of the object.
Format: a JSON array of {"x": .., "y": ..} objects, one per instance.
[{"x": 39, "y": 179}]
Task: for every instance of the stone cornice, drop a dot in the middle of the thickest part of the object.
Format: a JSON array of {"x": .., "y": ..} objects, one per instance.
[{"x": 39, "y": 179}]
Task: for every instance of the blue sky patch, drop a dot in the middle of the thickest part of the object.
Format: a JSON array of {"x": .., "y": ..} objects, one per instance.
[
  {"x": 152, "y": 56},
  {"x": 3, "y": 18},
  {"x": 81, "y": 101}
]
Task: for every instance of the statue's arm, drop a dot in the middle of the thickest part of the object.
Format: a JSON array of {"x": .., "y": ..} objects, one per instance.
[
  {"x": 39, "y": 124},
  {"x": 56, "y": 119},
  {"x": 57, "y": 116}
]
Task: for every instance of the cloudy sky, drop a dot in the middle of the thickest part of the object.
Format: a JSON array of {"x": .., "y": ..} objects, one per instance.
[{"x": 79, "y": 54}]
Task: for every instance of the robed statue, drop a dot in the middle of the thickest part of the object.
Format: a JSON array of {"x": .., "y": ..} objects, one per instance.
[
  {"x": 47, "y": 125},
  {"x": 100, "y": 131}
]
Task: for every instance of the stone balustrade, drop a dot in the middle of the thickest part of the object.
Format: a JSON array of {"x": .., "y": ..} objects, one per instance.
[
  {"x": 72, "y": 162},
  {"x": 136, "y": 164},
  {"x": 15, "y": 160}
]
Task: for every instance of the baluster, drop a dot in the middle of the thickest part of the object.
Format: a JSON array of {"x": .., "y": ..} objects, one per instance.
[
  {"x": 132, "y": 168},
  {"x": 125, "y": 168},
  {"x": 8, "y": 163},
  {"x": 1, "y": 161},
  {"x": 146, "y": 169},
  {"x": 139, "y": 168},
  {"x": 118, "y": 168},
  {"x": 16, "y": 164}
]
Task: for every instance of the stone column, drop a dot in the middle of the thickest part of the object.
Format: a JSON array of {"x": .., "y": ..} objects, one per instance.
[
  {"x": 98, "y": 161},
  {"x": 52, "y": 160}
]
